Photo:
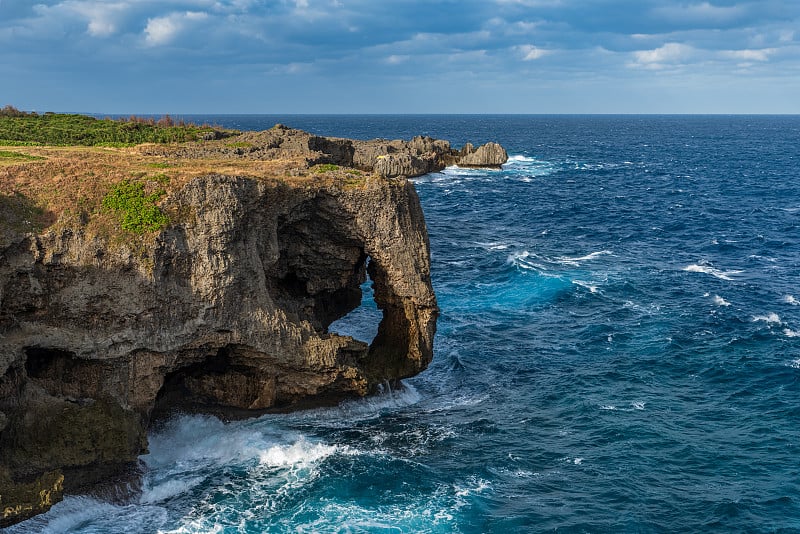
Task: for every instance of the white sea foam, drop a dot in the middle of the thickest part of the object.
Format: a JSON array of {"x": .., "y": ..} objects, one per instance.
[
  {"x": 66, "y": 516},
  {"x": 300, "y": 453},
  {"x": 75, "y": 512},
  {"x": 525, "y": 260},
  {"x": 634, "y": 406},
  {"x": 168, "y": 489},
  {"x": 468, "y": 172},
  {"x": 770, "y": 318},
  {"x": 387, "y": 399},
  {"x": 795, "y": 364},
  {"x": 586, "y": 285},
  {"x": 474, "y": 485},
  {"x": 708, "y": 269},
  {"x": 517, "y": 158},
  {"x": 790, "y": 333},
  {"x": 494, "y": 245},
  {"x": 719, "y": 301},
  {"x": 588, "y": 257},
  {"x": 789, "y": 299},
  {"x": 202, "y": 439}
]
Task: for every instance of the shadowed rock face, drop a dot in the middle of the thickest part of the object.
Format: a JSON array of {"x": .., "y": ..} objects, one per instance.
[{"x": 228, "y": 310}]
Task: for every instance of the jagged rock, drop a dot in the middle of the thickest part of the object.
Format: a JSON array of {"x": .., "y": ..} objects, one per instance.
[
  {"x": 488, "y": 155},
  {"x": 390, "y": 159}
]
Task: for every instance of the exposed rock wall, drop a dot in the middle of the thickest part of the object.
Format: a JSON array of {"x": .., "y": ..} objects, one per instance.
[
  {"x": 227, "y": 309},
  {"x": 390, "y": 159}
]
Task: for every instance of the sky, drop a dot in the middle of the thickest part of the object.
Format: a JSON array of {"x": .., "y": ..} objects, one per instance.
[{"x": 401, "y": 56}]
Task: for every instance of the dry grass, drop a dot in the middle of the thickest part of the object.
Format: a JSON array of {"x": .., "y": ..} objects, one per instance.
[{"x": 68, "y": 185}]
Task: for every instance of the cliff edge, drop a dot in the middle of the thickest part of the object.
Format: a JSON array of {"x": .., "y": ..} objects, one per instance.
[{"x": 225, "y": 308}]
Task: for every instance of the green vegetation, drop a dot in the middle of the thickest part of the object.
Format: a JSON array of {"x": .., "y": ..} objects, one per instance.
[
  {"x": 66, "y": 130},
  {"x": 241, "y": 144},
  {"x": 137, "y": 211},
  {"x": 325, "y": 167},
  {"x": 9, "y": 142},
  {"x": 160, "y": 165},
  {"x": 6, "y": 155}
]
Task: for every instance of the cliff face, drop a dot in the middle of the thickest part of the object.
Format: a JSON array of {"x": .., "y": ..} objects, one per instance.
[{"x": 227, "y": 309}]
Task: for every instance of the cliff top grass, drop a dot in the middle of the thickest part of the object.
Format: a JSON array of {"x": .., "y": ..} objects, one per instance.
[
  {"x": 45, "y": 185},
  {"x": 20, "y": 128},
  {"x": 73, "y": 170}
]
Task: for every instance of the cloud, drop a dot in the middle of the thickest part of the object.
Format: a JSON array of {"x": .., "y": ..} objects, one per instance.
[
  {"x": 669, "y": 53},
  {"x": 392, "y": 42},
  {"x": 749, "y": 55},
  {"x": 102, "y": 16},
  {"x": 531, "y": 52},
  {"x": 162, "y": 30},
  {"x": 396, "y": 59}
]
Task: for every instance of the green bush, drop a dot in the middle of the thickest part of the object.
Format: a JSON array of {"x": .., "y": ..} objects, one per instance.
[
  {"x": 5, "y": 154},
  {"x": 326, "y": 167},
  {"x": 136, "y": 210},
  {"x": 62, "y": 129}
]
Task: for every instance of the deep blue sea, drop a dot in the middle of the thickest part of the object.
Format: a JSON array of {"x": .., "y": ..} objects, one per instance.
[{"x": 618, "y": 351}]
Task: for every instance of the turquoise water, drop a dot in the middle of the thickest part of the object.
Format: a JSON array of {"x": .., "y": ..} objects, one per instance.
[{"x": 618, "y": 351}]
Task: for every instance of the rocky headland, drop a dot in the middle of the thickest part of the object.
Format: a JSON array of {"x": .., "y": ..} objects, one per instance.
[{"x": 222, "y": 305}]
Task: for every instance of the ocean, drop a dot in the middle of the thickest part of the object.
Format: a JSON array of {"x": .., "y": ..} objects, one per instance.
[{"x": 618, "y": 351}]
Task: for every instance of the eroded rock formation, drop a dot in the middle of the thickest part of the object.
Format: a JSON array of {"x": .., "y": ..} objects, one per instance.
[
  {"x": 227, "y": 308},
  {"x": 388, "y": 158}
]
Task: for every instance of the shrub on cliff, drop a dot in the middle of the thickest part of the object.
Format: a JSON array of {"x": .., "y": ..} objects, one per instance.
[
  {"x": 137, "y": 211},
  {"x": 60, "y": 129}
]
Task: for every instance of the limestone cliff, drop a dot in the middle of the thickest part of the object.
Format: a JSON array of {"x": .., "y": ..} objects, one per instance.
[{"x": 226, "y": 308}]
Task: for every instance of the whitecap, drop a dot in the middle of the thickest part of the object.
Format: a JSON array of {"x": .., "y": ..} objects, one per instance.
[
  {"x": 794, "y": 364},
  {"x": 494, "y": 245},
  {"x": 719, "y": 301},
  {"x": 577, "y": 461},
  {"x": 300, "y": 453},
  {"x": 790, "y": 333},
  {"x": 521, "y": 159},
  {"x": 523, "y": 260},
  {"x": 637, "y": 405},
  {"x": 476, "y": 485},
  {"x": 708, "y": 269},
  {"x": 609, "y": 407},
  {"x": 789, "y": 299},
  {"x": 770, "y": 318},
  {"x": 588, "y": 257},
  {"x": 586, "y": 285}
]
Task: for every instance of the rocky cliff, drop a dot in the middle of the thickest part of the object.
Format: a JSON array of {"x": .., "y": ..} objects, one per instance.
[{"x": 227, "y": 308}]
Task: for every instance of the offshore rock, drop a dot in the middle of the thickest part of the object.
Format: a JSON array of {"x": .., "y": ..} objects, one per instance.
[
  {"x": 226, "y": 309},
  {"x": 489, "y": 155}
]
